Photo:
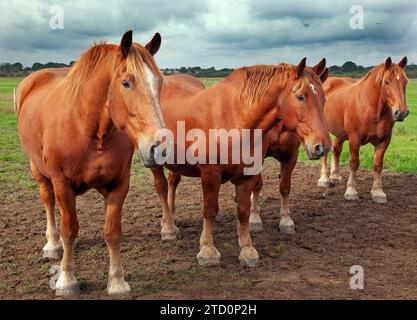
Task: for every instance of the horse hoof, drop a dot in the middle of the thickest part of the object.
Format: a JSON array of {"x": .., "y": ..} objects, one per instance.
[
  {"x": 67, "y": 285},
  {"x": 69, "y": 291},
  {"x": 168, "y": 236},
  {"x": 53, "y": 253},
  {"x": 118, "y": 287},
  {"x": 351, "y": 196},
  {"x": 256, "y": 226},
  {"x": 208, "y": 256},
  {"x": 379, "y": 197},
  {"x": 249, "y": 257},
  {"x": 336, "y": 181},
  {"x": 323, "y": 183},
  {"x": 287, "y": 229}
]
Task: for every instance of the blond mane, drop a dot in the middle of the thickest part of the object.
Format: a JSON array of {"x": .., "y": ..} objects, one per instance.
[
  {"x": 377, "y": 73},
  {"x": 259, "y": 78},
  {"x": 103, "y": 57}
]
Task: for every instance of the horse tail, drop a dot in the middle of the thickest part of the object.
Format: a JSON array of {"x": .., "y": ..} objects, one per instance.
[
  {"x": 14, "y": 100},
  {"x": 20, "y": 94}
]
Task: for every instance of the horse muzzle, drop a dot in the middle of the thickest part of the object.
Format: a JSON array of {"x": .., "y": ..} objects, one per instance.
[
  {"x": 398, "y": 115},
  {"x": 316, "y": 152},
  {"x": 154, "y": 153}
]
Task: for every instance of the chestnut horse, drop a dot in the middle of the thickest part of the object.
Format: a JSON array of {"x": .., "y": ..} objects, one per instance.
[
  {"x": 254, "y": 97},
  {"x": 364, "y": 112},
  {"x": 80, "y": 127},
  {"x": 283, "y": 146}
]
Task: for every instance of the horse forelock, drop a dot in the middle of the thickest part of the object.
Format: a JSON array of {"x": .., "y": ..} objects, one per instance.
[
  {"x": 138, "y": 58},
  {"x": 259, "y": 78},
  {"x": 378, "y": 73},
  {"x": 397, "y": 71},
  {"x": 102, "y": 57},
  {"x": 309, "y": 79}
]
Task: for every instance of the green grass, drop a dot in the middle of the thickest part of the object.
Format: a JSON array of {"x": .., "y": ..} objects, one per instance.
[
  {"x": 14, "y": 168},
  {"x": 15, "y": 175}
]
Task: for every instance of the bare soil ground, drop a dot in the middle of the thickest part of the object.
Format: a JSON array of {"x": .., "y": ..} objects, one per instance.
[{"x": 332, "y": 235}]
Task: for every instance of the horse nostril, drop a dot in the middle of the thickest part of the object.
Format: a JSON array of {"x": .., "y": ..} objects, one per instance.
[
  {"x": 318, "y": 150},
  {"x": 152, "y": 151},
  {"x": 406, "y": 113},
  {"x": 397, "y": 114}
]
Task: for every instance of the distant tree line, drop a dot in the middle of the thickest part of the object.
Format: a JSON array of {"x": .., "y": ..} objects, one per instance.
[
  {"x": 348, "y": 69},
  {"x": 199, "y": 72},
  {"x": 17, "y": 69}
]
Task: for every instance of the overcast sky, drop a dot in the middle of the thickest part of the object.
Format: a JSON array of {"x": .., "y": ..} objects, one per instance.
[{"x": 220, "y": 33}]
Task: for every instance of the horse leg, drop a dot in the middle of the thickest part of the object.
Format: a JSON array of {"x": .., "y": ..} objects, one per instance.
[
  {"x": 169, "y": 229},
  {"x": 53, "y": 248},
  {"x": 208, "y": 254},
  {"x": 173, "y": 181},
  {"x": 335, "y": 177},
  {"x": 286, "y": 225},
  {"x": 113, "y": 235},
  {"x": 248, "y": 255},
  {"x": 351, "y": 193},
  {"x": 66, "y": 284},
  {"x": 255, "y": 221},
  {"x": 378, "y": 195},
  {"x": 324, "y": 181}
]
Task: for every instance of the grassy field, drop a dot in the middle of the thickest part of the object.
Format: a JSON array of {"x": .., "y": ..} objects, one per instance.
[{"x": 14, "y": 171}]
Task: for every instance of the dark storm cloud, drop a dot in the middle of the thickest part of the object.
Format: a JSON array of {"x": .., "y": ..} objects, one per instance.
[{"x": 213, "y": 32}]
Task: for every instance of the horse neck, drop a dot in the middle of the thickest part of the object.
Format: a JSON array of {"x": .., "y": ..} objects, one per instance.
[
  {"x": 260, "y": 115},
  {"x": 89, "y": 107},
  {"x": 370, "y": 95}
]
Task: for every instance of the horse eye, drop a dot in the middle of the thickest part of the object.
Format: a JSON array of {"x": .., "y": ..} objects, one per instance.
[
  {"x": 125, "y": 84},
  {"x": 300, "y": 98}
]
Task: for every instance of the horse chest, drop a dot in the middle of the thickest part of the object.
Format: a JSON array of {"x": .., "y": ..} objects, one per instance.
[
  {"x": 377, "y": 132},
  {"x": 89, "y": 165},
  {"x": 104, "y": 166}
]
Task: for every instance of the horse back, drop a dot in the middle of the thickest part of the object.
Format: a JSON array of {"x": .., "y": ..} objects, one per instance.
[
  {"x": 333, "y": 84},
  {"x": 180, "y": 86},
  {"x": 38, "y": 83}
]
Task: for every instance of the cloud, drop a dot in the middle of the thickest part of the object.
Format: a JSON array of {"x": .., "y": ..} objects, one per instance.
[{"x": 213, "y": 32}]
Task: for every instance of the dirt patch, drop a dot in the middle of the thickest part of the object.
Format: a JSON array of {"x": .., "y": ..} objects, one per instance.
[{"x": 332, "y": 235}]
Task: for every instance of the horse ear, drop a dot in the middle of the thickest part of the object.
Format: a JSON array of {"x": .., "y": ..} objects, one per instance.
[
  {"x": 324, "y": 75},
  {"x": 388, "y": 63},
  {"x": 154, "y": 45},
  {"x": 403, "y": 62},
  {"x": 126, "y": 43},
  {"x": 300, "y": 68},
  {"x": 319, "y": 67}
]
